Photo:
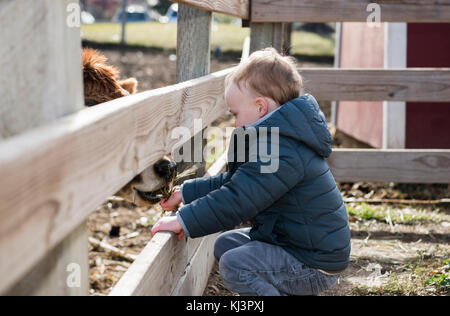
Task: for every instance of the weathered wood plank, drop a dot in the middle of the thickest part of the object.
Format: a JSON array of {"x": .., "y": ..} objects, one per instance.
[
  {"x": 263, "y": 35},
  {"x": 411, "y": 84},
  {"x": 390, "y": 165},
  {"x": 64, "y": 271},
  {"x": 36, "y": 62},
  {"x": 193, "y": 43},
  {"x": 349, "y": 10},
  {"x": 158, "y": 267},
  {"x": 237, "y": 8},
  {"x": 394, "y": 112},
  {"x": 51, "y": 178},
  {"x": 196, "y": 275},
  {"x": 41, "y": 81}
]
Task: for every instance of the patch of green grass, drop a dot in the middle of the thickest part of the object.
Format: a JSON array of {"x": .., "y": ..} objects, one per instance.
[
  {"x": 441, "y": 279},
  {"x": 306, "y": 43},
  {"x": 229, "y": 37},
  {"x": 405, "y": 216},
  {"x": 143, "y": 34}
]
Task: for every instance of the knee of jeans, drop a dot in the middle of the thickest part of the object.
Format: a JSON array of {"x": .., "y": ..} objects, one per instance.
[
  {"x": 221, "y": 245},
  {"x": 219, "y": 249},
  {"x": 229, "y": 266}
]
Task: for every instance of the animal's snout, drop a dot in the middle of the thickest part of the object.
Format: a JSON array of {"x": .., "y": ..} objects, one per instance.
[{"x": 166, "y": 169}]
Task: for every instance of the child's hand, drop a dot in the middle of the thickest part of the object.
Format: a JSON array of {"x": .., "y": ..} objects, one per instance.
[
  {"x": 168, "y": 223},
  {"x": 172, "y": 203}
]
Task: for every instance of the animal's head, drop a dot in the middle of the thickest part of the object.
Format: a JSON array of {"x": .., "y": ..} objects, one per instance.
[
  {"x": 151, "y": 185},
  {"x": 102, "y": 84},
  {"x": 101, "y": 81}
]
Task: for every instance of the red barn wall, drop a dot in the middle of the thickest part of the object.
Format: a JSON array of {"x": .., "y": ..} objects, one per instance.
[{"x": 428, "y": 124}]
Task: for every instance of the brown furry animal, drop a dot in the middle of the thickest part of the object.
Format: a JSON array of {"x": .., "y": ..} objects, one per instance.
[
  {"x": 101, "y": 81},
  {"x": 102, "y": 84}
]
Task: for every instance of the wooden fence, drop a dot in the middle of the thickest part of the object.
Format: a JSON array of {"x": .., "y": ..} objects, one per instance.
[{"x": 53, "y": 176}]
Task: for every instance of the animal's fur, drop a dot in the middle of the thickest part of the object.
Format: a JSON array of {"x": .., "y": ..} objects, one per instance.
[{"x": 101, "y": 81}]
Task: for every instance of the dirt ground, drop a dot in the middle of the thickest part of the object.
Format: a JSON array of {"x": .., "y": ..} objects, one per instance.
[{"x": 389, "y": 256}]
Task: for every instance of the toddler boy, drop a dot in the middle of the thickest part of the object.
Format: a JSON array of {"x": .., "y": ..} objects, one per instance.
[{"x": 299, "y": 241}]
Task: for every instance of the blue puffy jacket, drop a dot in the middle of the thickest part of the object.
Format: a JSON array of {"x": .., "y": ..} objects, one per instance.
[{"x": 298, "y": 206}]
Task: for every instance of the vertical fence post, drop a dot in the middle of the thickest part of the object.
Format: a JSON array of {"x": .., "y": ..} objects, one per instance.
[
  {"x": 50, "y": 86},
  {"x": 337, "y": 64},
  {"x": 124, "y": 20},
  {"x": 193, "y": 43},
  {"x": 287, "y": 38},
  {"x": 264, "y": 35},
  {"x": 394, "y": 112},
  {"x": 193, "y": 60}
]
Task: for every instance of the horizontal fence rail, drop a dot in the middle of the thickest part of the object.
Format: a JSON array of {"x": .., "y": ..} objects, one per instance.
[
  {"x": 158, "y": 267},
  {"x": 411, "y": 84},
  {"x": 349, "y": 10},
  {"x": 391, "y": 165},
  {"x": 237, "y": 8},
  {"x": 53, "y": 177}
]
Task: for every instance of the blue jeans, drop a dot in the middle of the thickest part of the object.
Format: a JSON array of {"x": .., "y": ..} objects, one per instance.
[{"x": 257, "y": 268}]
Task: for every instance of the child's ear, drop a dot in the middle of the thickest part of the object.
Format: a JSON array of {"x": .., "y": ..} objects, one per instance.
[
  {"x": 129, "y": 84},
  {"x": 263, "y": 106}
]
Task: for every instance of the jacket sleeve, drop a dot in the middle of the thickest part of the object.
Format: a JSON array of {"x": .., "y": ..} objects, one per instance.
[
  {"x": 247, "y": 192},
  {"x": 196, "y": 188}
]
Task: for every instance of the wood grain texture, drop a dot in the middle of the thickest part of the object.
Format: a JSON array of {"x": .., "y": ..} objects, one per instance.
[
  {"x": 38, "y": 79},
  {"x": 158, "y": 267},
  {"x": 49, "y": 277},
  {"x": 195, "y": 277},
  {"x": 41, "y": 81},
  {"x": 193, "y": 43},
  {"x": 412, "y": 84},
  {"x": 263, "y": 35},
  {"x": 349, "y": 10},
  {"x": 237, "y": 8},
  {"x": 390, "y": 165},
  {"x": 51, "y": 178}
]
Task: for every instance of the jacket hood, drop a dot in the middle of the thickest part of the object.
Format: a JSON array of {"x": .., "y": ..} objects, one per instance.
[{"x": 302, "y": 119}]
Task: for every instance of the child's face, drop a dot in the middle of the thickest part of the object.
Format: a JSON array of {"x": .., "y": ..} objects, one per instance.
[{"x": 243, "y": 105}]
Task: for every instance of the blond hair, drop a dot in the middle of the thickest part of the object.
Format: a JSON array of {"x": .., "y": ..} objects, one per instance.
[{"x": 269, "y": 74}]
